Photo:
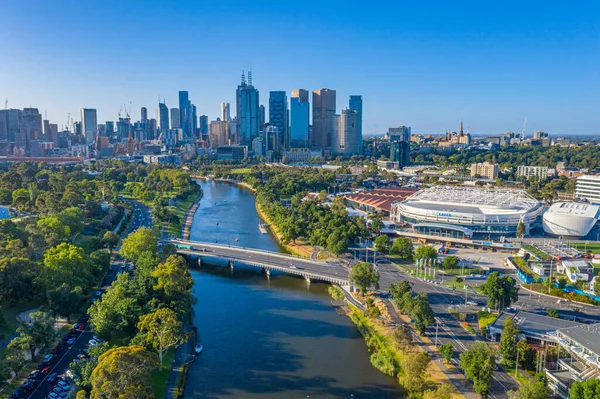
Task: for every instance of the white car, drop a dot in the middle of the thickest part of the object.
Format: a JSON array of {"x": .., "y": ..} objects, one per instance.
[{"x": 92, "y": 342}]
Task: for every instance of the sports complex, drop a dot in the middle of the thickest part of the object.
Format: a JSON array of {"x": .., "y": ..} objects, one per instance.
[{"x": 461, "y": 212}]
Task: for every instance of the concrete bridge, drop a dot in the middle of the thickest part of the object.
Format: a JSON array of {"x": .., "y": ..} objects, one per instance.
[{"x": 266, "y": 260}]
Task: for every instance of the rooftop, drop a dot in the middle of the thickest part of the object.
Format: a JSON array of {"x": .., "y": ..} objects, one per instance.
[
  {"x": 586, "y": 335},
  {"x": 575, "y": 209},
  {"x": 381, "y": 198},
  {"x": 531, "y": 323}
]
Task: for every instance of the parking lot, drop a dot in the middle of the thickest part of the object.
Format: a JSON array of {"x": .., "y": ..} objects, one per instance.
[
  {"x": 558, "y": 249},
  {"x": 478, "y": 258}
]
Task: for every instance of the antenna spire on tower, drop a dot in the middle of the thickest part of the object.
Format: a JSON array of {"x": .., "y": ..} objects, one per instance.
[
  {"x": 250, "y": 77},
  {"x": 243, "y": 78}
]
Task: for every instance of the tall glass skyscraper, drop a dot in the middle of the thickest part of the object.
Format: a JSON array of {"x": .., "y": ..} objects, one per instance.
[
  {"x": 323, "y": 113},
  {"x": 300, "y": 114},
  {"x": 184, "y": 113},
  {"x": 247, "y": 109},
  {"x": 162, "y": 116},
  {"x": 89, "y": 124},
  {"x": 278, "y": 116},
  {"x": 356, "y": 105}
]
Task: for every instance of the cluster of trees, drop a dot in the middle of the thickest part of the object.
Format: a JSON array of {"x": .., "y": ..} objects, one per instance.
[
  {"x": 479, "y": 363},
  {"x": 415, "y": 305},
  {"x": 157, "y": 182},
  {"x": 146, "y": 310},
  {"x": 364, "y": 276},
  {"x": 501, "y": 291}
]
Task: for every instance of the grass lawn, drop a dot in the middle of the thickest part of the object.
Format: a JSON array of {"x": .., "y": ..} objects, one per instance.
[
  {"x": 537, "y": 252},
  {"x": 180, "y": 210},
  {"x": 240, "y": 171},
  {"x": 593, "y": 246},
  {"x": 160, "y": 378},
  {"x": 521, "y": 379},
  {"x": 10, "y": 317},
  {"x": 485, "y": 319}
]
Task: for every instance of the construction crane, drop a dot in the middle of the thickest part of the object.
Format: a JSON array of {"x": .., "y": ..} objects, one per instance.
[
  {"x": 6, "y": 104},
  {"x": 523, "y": 131},
  {"x": 67, "y": 127},
  {"x": 120, "y": 109}
]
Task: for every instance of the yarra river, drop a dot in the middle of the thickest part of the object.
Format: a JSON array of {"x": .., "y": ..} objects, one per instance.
[{"x": 277, "y": 338}]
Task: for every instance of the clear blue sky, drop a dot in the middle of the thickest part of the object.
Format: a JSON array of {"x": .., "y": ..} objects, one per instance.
[{"x": 424, "y": 64}]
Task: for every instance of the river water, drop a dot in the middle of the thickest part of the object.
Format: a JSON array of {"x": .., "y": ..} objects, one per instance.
[{"x": 269, "y": 338}]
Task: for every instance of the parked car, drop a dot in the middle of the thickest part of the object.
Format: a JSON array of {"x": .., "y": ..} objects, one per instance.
[
  {"x": 53, "y": 395},
  {"x": 35, "y": 374},
  {"x": 29, "y": 384},
  {"x": 55, "y": 350},
  {"x": 98, "y": 294},
  {"x": 81, "y": 327},
  {"x": 64, "y": 385},
  {"x": 71, "y": 341},
  {"x": 46, "y": 370}
]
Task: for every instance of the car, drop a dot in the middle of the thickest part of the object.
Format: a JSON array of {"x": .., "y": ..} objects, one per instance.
[
  {"x": 83, "y": 357},
  {"x": 52, "y": 378},
  {"x": 35, "y": 374},
  {"x": 64, "y": 385},
  {"x": 29, "y": 384},
  {"x": 53, "y": 395},
  {"x": 71, "y": 341},
  {"x": 46, "y": 370},
  {"x": 92, "y": 342},
  {"x": 75, "y": 326},
  {"x": 60, "y": 344},
  {"x": 95, "y": 299},
  {"x": 59, "y": 391},
  {"x": 99, "y": 340},
  {"x": 81, "y": 327},
  {"x": 84, "y": 351},
  {"x": 48, "y": 358},
  {"x": 66, "y": 337},
  {"x": 293, "y": 267},
  {"x": 98, "y": 293}
]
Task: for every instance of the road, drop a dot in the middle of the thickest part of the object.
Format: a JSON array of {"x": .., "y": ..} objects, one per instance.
[{"x": 141, "y": 217}]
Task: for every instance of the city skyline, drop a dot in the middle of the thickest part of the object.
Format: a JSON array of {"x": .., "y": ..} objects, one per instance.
[{"x": 491, "y": 67}]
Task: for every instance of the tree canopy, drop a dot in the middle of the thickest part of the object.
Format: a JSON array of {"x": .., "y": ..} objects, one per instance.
[
  {"x": 479, "y": 363},
  {"x": 501, "y": 291},
  {"x": 403, "y": 247},
  {"x": 426, "y": 252},
  {"x": 364, "y": 276}
]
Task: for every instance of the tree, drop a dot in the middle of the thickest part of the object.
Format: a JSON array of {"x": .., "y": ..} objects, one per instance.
[
  {"x": 15, "y": 358},
  {"x": 124, "y": 372},
  {"x": 403, "y": 247},
  {"x": 69, "y": 264},
  {"x": 426, "y": 252},
  {"x": 450, "y": 262},
  {"x": 403, "y": 336},
  {"x": 81, "y": 395},
  {"x": 421, "y": 312},
  {"x": 364, "y": 275},
  {"x": 160, "y": 330},
  {"x": 35, "y": 335},
  {"x": 382, "y": 243},
  {"x": 5, "y": 373},
  {"x": 479, "y": 363},
  {"x": 67, "y": 301},
  {"x": 520, "y": 230},
  {"x": 447, "y": 351},
  {"x": 589, "y": 389},
  {"x": 337, "y": 242},
  {"x": 444, "y": 391},
  {"x": 597, "y": 285},
  {"x": 501, "y": 291},
  {"x": 508, "y": 342},
  {"x": 402, "y": 293},
  {"x": 110, "y": 240},
  {"x": 414, "y": 366},
  {"x": 552, "y": 313},
  {"x": 376, "y": 225},
  {"x": 84, "y": 370},
  {"x": 174, "y": 283},
  {"x": 17, "y": 276},
  {"x": 139, "y": 241},
  {"x": 527, "y": 355},
  {"x": 531, "y": 390}
]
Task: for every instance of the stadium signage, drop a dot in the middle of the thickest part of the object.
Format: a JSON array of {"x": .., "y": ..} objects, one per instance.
[{"x": 444, "y": 214}]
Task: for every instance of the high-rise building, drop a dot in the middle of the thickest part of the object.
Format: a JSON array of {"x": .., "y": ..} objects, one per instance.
[
  {"x": 89, "y": 124},
  {"x": 399, "y": 138},
  {"x": 193, "y": 121},
  {"x": 144, "y": 114},
  {"x": 263, "y": 119},
  {"x": 345, "y": 138},
  {"x": 175, "y": 118},
  {"x": 225, "y": 112},
  {"x": 110, "y": 128},
  {"x": 184, "y": 112},
  {"x": 323, "y": 113},
  {"x": 356, "y": 104},
  {"x": 9, "y": 123},
  {"x": 300, "y": 118},
  {"x": 220, "y": 134},
  {"x": 400, "y": 133},
  {"x": 247, "y": 108},
  {"x": 162, "y": 116},
  {"x": 278, "y": 116},
  {"x": 204, "y": 124},
  {"x": 588, "y": 187},
  {"x": 485, "y": 169}
]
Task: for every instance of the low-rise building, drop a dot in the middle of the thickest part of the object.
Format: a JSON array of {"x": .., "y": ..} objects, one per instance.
[
  {"x": 576, "y": 270},
  {"x": 301, "y": 154},
  {"x": 485, "y": 169},
  {"x": 387, "y": 164},
  {"x": 588, "y": 187},
  {"x": 235, "y": 153},
  {"x": 539, "y": 172}
]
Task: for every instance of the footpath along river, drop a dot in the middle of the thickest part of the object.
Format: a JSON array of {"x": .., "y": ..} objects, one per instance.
[{"x": 269, "y": 338}]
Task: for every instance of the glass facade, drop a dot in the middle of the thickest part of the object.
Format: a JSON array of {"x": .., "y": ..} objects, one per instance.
[{"x": 300, "y": 113}]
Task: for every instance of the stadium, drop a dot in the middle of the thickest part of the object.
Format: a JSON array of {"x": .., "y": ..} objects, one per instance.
[
  {"x": 461, "y": 212},
  {"x": 572, "y": 219}
]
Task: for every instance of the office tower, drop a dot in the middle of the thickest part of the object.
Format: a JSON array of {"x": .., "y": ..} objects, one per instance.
[
  {"x": 9, "y": 123},
  {"x": 220, "y": 134},
  {"x": 144, "y": 114},
  {"x": 46, "y": 124},
  {"x": 247, "y": 109},
  {"x": 77, "y": 128},
  {"x": 162, "y": 116},
  {"x": 278, "y": 116},
  {"x": 53, "y": 133},
  {"x": 300, "y": 118},
  {"x": 323, "y": 113},
  {"x": 225, "y": 112},
  {"x": 272, "y": 138},
  {"x": 89, "y": 124},
  {"x": 345, "y": 138},
  {"x": 263, "y": 120},
  {"x": 193, "y": 121},
  {"x": 184, "y": 112},
  {"x": 110, "y": 128},
  {"x": 204, "y": 124},
  {"x": 400, "y": 145},
  {"x": 588, "y": 187},
  {"x": 175, "y": 118},
  {"x": 400, "y": 133},
  {"x": 357, "y": 105}
]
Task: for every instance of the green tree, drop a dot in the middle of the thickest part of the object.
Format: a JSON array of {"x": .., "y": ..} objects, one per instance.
[
  {"x": 35, "y": 335},
  {"x": 450, "y": 262},
  {"x": 501, "y": 291},
  {"x": 552, "y": 313},
  {"x": 15, "y": 358},
  {"x": 382, "y": 243},
  {"x": 337, "y": 242},
  {"x": 364, "y": 276},
  {"x": 447, "y": 351},
  {"x": 402, "y": 293},
  {"x": 174, "y": 283},
  {"x": 110, "y": 240},
  {"x": 376, "y": 224},
  {"x": 589, "y": 389},
  {"x": 136, "y": 243},
  {"x": 444, "y": 391},
  {"x": 69, "y": 264},
  {"x": 508, "y": 342},
  {"x": 402, "y": 336},
  {"x": 414, "y": 366},
  {"x": 531, "y": 390},
  {"x": 479, "y": 363},
  {"x": 404, "y": 248},
  {"x": 527, "y": 355},
  {"x": 597, "y": 285},
  {"x": 67, "y": 300},
  {"x": 17, "y": 279},
  {"x": 426, "y": 252},
  {"x": 160, "y": 330},
  {"x": 84, "y": 370},
  {"x": 124, "y": 372},
  {"x": 421, "y": 312},
  {"x": 520, "y": 230}
]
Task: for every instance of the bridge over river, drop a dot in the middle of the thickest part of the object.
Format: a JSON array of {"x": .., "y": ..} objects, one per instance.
[{"x": 266, "y": 260}]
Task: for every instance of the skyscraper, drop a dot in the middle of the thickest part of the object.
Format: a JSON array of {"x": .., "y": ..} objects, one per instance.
[
  {"x": 204, "y": 124},
  {"x": 400, "y": 145},
  {"x": 162, "y": 116},
  {"x": 225, "y": 112},
  {"x": 184, "y": 112},
  {"x": 247, "y": 109},
  {"x": 175, "y": 118},
  {"x": 345, "y": 139},
  {"x": 110, "y": 128},
  {"x": 144, "y": 114},
  {"x": 9, "y": 123},
  {"x": 89, "y": 124},
  {"x": 300, "y": 117},
  {"x": 263, "y": 119},
  {"x": 278, "y": 116},
  {"x": 356, "y": 105},
  {"x": 323, "y": 113}
]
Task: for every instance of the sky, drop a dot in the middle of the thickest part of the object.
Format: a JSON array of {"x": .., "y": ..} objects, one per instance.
[{"x": 424, "y": 64}]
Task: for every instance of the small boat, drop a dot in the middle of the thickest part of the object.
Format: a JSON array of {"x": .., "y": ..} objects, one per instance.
[
  {"x": 217, "y": 223},
  {"x": 198, "y": 348},
  {"x": 237, "y": 239},
  {"x": 263, "y": 228}
]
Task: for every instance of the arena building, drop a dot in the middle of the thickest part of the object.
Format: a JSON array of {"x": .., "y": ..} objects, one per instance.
[
  {"x": 461, "y": 212},
  {"x": 572, "y": 219}
]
